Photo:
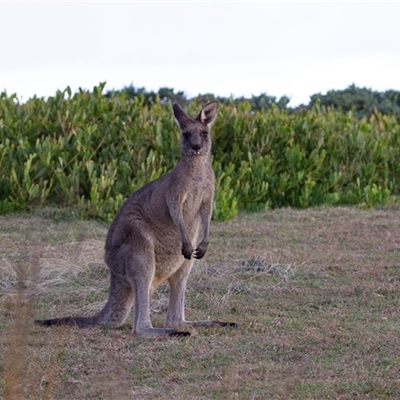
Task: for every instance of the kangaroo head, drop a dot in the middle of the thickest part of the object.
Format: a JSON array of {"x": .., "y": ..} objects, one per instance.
[{"x": 195, "y": 138}]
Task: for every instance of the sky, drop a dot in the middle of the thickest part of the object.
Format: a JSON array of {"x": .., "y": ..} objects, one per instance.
[{"x": 293, "y": 49}]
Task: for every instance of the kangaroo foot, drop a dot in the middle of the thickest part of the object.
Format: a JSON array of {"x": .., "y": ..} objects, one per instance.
[
  {"x": 159, "y": 332},
  {"x": 208, "y": 322}
]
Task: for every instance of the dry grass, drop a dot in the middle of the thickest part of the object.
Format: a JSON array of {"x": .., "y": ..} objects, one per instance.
[{"x": 316, "y": 293}]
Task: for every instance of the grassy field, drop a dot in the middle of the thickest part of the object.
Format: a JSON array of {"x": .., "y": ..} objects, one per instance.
[{"x": 316, "y": 293}]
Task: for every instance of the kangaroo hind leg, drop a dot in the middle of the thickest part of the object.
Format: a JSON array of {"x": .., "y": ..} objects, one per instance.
[{"x": 141, "y": 274}]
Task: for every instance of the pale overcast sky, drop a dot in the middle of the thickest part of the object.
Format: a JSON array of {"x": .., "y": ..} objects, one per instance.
[{"x": 226, "y": 48}]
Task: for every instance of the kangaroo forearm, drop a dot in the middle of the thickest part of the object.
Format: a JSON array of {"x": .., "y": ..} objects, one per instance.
[
  {"x": 206, "y": 219},
  {"x": 187, "y": 246}
]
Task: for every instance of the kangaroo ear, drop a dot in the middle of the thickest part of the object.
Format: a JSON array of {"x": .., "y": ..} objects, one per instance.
[
  {"x": 182, "y": 118},
  {"x": 208, "y": 113}
]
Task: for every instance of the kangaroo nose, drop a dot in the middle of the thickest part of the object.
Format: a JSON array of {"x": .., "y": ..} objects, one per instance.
[{"x": 196, "y": 147}]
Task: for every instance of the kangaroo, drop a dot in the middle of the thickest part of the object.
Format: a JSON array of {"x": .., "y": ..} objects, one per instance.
[{"x": 151, "y": 238}]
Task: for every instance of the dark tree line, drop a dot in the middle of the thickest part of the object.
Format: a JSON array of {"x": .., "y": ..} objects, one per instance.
[
  {"x": 363, "y": 101},
  {"x": 261, "y": 102}
]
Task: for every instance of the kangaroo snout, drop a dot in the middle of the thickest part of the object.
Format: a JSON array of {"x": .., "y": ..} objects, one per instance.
[{"x": 196, "y": 147}]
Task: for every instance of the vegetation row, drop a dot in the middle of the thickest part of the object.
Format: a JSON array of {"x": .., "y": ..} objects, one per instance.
[
  {"x": 362, "y": 101},
  {"x": 88, "y": 152}
]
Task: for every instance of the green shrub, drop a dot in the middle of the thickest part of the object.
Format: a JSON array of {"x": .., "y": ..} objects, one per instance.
[{"x": 90, "y": 152}]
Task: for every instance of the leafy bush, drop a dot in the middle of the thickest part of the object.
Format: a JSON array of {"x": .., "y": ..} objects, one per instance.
[{"x": 89, "y": 152}]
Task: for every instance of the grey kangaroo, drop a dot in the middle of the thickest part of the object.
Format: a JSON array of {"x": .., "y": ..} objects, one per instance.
[{"x": 152, "y": 236}]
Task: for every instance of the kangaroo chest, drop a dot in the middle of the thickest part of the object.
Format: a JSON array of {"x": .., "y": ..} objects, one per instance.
[{"x": 194, "y": 199}]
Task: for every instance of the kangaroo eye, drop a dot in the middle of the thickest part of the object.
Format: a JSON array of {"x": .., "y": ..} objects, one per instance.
[
  {"x": 205, "y": 133},
  {"x": 186, "y": 135}
]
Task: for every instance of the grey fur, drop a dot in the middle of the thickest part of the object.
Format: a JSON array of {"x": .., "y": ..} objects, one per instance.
[{"x": 152, "y": 237}]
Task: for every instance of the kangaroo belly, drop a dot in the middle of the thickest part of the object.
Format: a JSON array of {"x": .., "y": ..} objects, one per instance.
[{"x": 168, "y": 253}]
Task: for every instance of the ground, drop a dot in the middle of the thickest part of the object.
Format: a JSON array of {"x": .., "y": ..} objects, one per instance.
[{"x": 316, "y": 294}]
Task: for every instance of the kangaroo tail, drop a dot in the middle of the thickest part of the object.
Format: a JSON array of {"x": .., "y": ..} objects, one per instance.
[
  {"x": 113, "y": 314},
  {"x": 81, "y": 322}
]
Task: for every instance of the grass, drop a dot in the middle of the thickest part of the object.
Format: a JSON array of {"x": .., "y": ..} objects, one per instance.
[{"x": 316, "y": 293}]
